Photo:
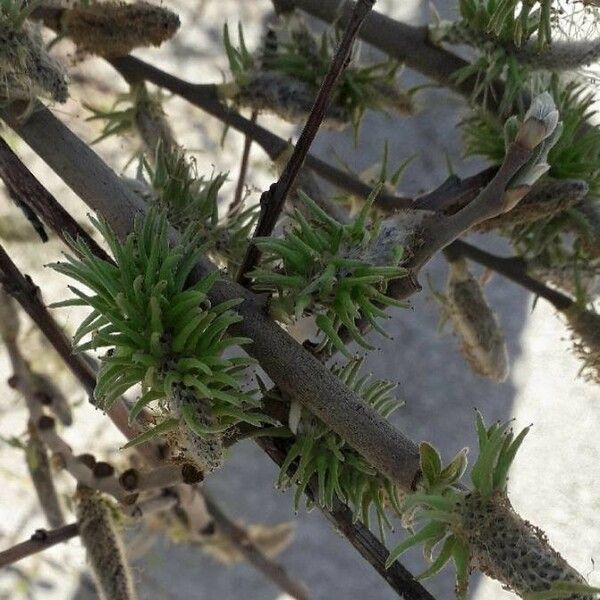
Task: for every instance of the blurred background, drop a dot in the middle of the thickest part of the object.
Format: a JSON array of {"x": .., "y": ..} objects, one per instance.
[{"x": 555, "y": 480}]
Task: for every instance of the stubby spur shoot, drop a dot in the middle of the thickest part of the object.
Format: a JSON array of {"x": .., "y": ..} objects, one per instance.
[{"x": 479, "y": 529}]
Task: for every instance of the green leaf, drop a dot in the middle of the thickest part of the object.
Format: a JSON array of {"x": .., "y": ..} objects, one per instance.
[
  {"x": 505, "y": 460},
  {"x": 461, "y": 557},
  {"x": 431, "y": 462},
  {"x": 443, "y": 557},
  {"x": 429, "y": 531},
  {"x": 456, "y": 468},
  {"x": 160, "y": 429}
]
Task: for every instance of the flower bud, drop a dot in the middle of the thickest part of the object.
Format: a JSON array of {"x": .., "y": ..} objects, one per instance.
[{"x": 539, "y": 122}]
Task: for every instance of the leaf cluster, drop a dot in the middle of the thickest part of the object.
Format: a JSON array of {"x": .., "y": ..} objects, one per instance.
[
  {"x": 301, "y": 56},
  {"x": 439, "y": 503},
  {"x": 340, "y": 471},
  {"x": 323, "y": 268},
  {"x": 159, "y": 332},
  {"x": 191, "y": 201}
]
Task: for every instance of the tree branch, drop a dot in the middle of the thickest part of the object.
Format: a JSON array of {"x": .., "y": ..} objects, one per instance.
[
  {"x": 32, "y": 194},
  {"x": 40, "y": 540},
  {"x": 207, "y": 99},
  {"x": 273, "y": 200},
  {"x": 43, "y": 539},
  {"x": 406, "y": 43},
  {"x": 293, "y": 369},
  {"x": 511, "y": 268},
  {"x": 368, "y": 546},
  {"x": 238, "y": 196}
]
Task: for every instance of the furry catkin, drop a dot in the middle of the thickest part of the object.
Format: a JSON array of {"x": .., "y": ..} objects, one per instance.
[
  {"x": 591, "y": 240},
  {"x": 104, "y": 546},
  {"x": 482, "y": 340},
  {"x": 545, "y": 199},
  {"x": 205, "y": 451},
  {"x": 558, "y": 56},
  {"x": 151, "y": 122},
  {"x": 270, "y": 540},
  {"x": 26, "y": 69},
  {"x": 508, "y": 548},
  {"x": 112, "y": 29},
  {"x": 585, "y": 326},
  {"x": 41, "y": 476},
  {"x": 289, "y": 98},
  {"x": 565, "y": 278}
]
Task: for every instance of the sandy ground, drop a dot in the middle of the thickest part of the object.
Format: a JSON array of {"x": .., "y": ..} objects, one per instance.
[{"x": 555, "y": 479}]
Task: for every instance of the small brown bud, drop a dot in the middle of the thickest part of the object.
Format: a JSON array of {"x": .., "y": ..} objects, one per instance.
[
  {"x": 45, "y": 423},
  {"x": 88, "y": 460},
  {"x": 103, "y": 469},
  {"x": 191, "y": 474},
  {"x": 129, "y": 479}
]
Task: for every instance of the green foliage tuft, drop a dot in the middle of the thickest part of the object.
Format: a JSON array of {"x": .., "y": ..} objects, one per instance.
[
  {"x": 509, "y": 21},
  {"x": 160, "y": 333},
  {"x": 340, "y": 471},
  {"x": 300, "y": 57},
  {"x": 191, "y": 201},
  {"x": 337, "y": 272}
]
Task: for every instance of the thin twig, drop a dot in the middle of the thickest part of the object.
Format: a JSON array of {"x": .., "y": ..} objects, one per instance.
[
  {"x": 239, "y": 188},
  {"x": 273, "y": 199},
  {"x": 274, "y": 571},
  {"x": 511, "y": 268},
  {"x": 43, "y": 539},
  {"x": 35, "y": 196},
  {"x": 40, "y": 540}
]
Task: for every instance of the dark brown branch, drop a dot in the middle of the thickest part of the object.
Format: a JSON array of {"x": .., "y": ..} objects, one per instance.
[
  {"x": 368, "y": 546},
  {"x": 238, "y": 535},
  {"x": 40, "y": 540},
  {"x": 238, "y": 197},
  {"x": 511, "y": 268},
  {"x": 273, "y": 200},
  {"x": 35, "y": 196},
  {"x": 27, "y": 294}
]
